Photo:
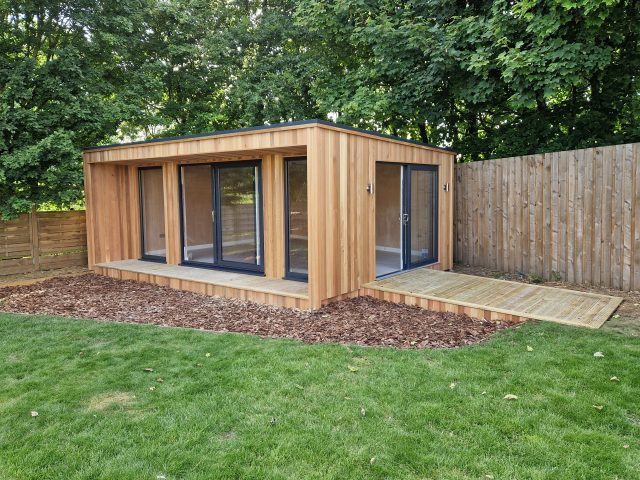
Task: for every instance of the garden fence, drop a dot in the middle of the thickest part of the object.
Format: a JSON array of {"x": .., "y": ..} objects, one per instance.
[
  {"x": 43, "y": 241},
  {"x": 572, "y": 215}
]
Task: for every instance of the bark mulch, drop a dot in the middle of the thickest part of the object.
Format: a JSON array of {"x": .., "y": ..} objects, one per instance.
[{"x": 362, "y": 321}]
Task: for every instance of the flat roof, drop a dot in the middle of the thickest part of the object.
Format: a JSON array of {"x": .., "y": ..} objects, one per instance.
[{"x": 273, "y": 126}]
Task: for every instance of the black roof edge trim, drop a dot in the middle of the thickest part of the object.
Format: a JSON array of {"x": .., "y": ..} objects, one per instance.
[{"x": 266, "y": 127}]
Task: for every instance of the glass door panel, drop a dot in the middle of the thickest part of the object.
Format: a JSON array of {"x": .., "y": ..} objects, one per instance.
[
  {"x": 239, "y": 215},
  {"x": 388, "y": 218},
  {"x": 296, "y": 218},
  {"x": 152, "y": 213},
  {"x": 222, "y": 215},
  {"x": 422, "y": 209},
  {"x": 406, "y": 216},
  {"x": 197, "y": 214}
]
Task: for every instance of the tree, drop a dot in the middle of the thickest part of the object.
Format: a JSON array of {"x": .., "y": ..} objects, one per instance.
[
  {"x": 218, "y": 64},
  {"x": 488, "y": 78},
  {"x": 275, "y": 72},
  {"x": 57, "y": 93}
]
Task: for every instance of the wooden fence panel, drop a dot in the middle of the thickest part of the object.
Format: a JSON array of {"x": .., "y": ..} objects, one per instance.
[
  {"x": 573, "y": 215},
  {"x": 43, "y": 241}
]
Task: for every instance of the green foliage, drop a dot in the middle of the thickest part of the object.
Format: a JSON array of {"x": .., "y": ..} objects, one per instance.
[
  {"x": 55, "y": 97},
  {"x": 489, "y": 78},
  {"x": 556, "y": 276},
  {"x": 535, "y": 278},
  {"x": 47, "y": 171}
]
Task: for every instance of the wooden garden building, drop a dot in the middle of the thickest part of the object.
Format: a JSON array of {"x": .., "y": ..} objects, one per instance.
[{"x": 297, "y": 214}]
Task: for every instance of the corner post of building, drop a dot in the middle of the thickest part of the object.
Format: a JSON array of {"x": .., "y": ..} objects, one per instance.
[
  {"x": 171, "y": 212},
  {"x": 315, "y": 158},
  {"x": 450, "y": 212},
  {"x": 445, "y": 212},
  {"x": 89, "y": 205}
]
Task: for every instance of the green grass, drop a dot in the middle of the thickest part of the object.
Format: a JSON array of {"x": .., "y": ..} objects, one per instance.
[{"x": 261, "y": 408}]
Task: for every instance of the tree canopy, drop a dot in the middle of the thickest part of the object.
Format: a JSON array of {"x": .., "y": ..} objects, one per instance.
[{"x": 487, "y": 78}]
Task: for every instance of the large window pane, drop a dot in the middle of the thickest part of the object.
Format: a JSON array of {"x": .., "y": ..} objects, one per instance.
[
  {"x": 388, "y": 218},
  {"x": 152, "y": 211},
  {"x": 239, "y": 215},
  {"x": 424, "y": 202},
  {"x": 197, "y": 208},
  {"x": 298, "y": 240}
]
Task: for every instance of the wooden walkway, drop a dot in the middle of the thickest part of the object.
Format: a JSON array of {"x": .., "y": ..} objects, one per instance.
[{"x": 507, "y": 299}]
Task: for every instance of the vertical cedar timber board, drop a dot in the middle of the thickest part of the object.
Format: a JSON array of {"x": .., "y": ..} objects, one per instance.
[
  {"x": 315, "y": 195},
  {"x": 89, "y": 206},
  {"x": 342, "y": 212},
  {"x": 133, "y": 201},
  {"x": 273, "y": 207},
  {"x": 171, "y": 212},
  {"x": 113, "y": 231},
  {"x": 572, "y": 214}
]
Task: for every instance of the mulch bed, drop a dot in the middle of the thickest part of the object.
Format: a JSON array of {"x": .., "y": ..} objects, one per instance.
[{"x": 361, "y": 321}]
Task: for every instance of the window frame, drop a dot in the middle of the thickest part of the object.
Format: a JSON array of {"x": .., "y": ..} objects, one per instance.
[{"x": 144, "y": 256}]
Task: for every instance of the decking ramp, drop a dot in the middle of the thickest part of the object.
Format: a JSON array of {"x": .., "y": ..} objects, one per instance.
[{"x": 493, "y": 298}]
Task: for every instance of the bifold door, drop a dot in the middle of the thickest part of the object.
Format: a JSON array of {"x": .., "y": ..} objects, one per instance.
[
  {"x": 222, "y": 215},
  {"x": 406, "y": 216}
]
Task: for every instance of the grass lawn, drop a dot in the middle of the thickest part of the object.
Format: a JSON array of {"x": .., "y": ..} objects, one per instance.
[{"x": 235, "y": 406}]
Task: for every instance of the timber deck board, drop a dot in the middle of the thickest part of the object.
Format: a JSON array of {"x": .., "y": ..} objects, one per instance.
[
  {"x": 243, "y": 281},
  {"x": 538, "y": 302}
]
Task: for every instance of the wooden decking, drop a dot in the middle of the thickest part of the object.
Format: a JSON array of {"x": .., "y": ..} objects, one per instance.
[
  {"x": 478, "y": 297},
  {"x": 284, "y": 293},
  {"x": 492, "y": 298}
]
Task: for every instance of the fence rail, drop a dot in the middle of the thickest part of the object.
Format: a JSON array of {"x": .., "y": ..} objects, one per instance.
[
  {"x": 43, "y": 241},
  {"x": 573, "y": 215}
]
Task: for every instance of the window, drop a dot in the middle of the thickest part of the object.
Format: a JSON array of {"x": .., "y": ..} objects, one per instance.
[
  {"x": 152, "y": 213},
  {"x": 296, "y": 224}
]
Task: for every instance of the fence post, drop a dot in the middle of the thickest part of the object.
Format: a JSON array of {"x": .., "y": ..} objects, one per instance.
[{"x": 35, "y": 239}]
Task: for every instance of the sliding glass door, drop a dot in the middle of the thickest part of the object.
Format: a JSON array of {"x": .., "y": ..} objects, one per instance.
[
  {"x": 197, "y": 215},
  {"x": 152, "y": 214},
  {"x": 222, "y": 215},
  {"x": 406, "y": 216},
  {"x": 421, "y": 215},
  {"x": 296, "y": 219},
  {"x": 388, "y": 218},
  {"x": 238, "y": 216}
]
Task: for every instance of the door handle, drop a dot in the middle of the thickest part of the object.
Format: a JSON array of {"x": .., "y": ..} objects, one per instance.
[{"x": 404, "y": 218}]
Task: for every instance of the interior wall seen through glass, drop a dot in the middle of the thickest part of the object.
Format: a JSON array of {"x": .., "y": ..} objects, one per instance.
[
  {"x": 388, "y": 199},
  {"x": 424, "y": 202},
  {"x": 197, "y": 212},
  {"x": 298, "y": 241},
  {"x": 152, "y": 212},
  {"x": 239, "y": 215}
]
